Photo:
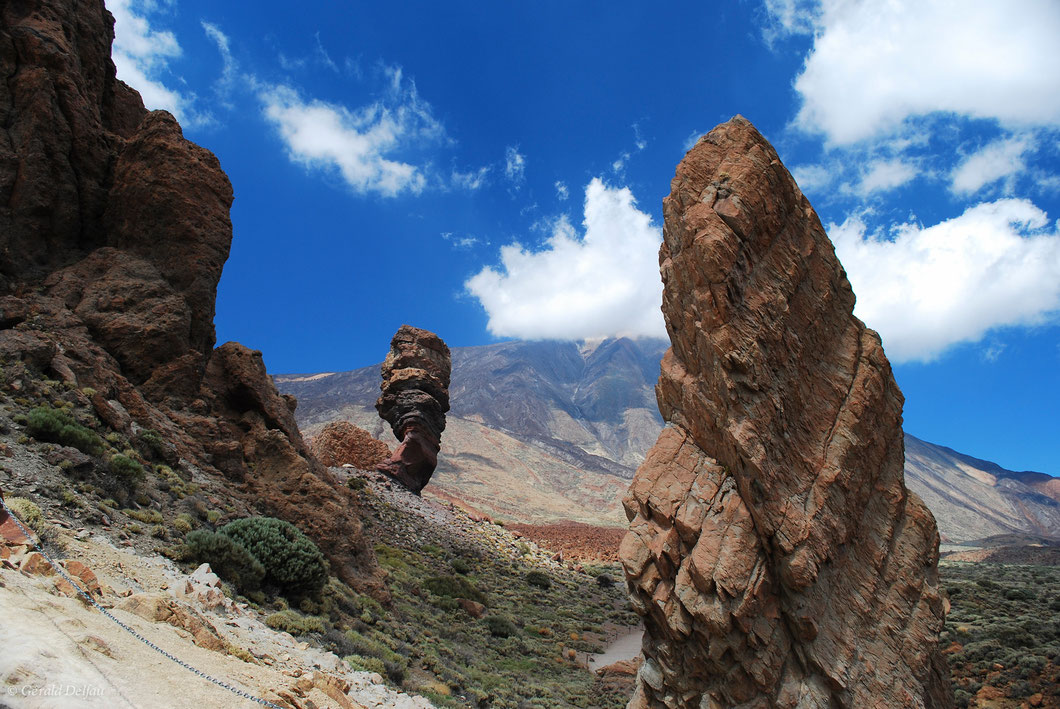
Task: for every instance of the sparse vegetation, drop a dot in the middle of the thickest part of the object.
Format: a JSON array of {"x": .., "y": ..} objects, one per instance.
[{"x": 1001, "y": 631}]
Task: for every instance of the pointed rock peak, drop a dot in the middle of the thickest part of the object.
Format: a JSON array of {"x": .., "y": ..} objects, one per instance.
[{"x": 774, "y": 551}]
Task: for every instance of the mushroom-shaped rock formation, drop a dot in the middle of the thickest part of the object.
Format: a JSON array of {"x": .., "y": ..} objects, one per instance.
[
  {"x": 774, "y": 551},
  {"x": 414, "y": 401}
]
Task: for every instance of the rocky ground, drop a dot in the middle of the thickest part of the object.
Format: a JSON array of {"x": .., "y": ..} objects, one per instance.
[
  {"x": 575, "y": 540},
  {"x": 61, "y": 652}
]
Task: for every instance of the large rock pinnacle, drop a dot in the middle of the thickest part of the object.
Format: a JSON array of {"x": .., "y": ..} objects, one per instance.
[
  {"x": 774, "y": 551},
  {"x": 414, "y": 401}
]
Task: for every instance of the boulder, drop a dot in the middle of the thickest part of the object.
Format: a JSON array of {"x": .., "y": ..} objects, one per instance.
[
  {"x": 342, "y": 443},
  {"x": 774, "y": 552}
]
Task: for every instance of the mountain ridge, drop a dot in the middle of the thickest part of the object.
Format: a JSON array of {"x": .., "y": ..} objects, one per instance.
[{"x": 577, "y": 418}]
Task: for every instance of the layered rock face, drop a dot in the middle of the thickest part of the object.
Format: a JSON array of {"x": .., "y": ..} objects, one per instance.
[
  {"x": 414, "y": 401},
  {"x": 342, "y": 443},
  {"x": 113, "y": 232},
  {"x": 774, "y": 551}
]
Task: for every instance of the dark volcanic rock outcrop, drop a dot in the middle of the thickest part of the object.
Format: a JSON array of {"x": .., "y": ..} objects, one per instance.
[
  {"x": 774, "y": 551},
  {"x": 342, "y": 443},
  {"x": 414, "y": 401},
  {"x": 113, "y": 232}
]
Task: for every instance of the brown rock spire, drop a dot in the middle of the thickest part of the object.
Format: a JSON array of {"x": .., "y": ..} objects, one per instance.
[
  {"x": 414, "y": 401},
  {"x": 774, "y": 551}
]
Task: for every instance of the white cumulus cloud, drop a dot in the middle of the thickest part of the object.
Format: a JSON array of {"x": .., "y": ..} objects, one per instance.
[
  {"x": 875, "y": 64},
  {"x": 600, "y": 283},
  {"x": 993, "y": 162},
  {"x": 358, "y": 143},
  {"x": 926, "y": 289},
  {"x": 884, "y": 175}
]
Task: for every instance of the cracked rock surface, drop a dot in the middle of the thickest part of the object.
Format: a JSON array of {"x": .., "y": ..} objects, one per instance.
[{"x": 774, "y": 551}]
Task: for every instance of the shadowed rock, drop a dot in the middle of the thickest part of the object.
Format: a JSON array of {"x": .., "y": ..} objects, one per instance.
[
  {"x": 114, "y": 230},
  {"x": 414, "y": 401},
  {"x": 774, "y": 551}
]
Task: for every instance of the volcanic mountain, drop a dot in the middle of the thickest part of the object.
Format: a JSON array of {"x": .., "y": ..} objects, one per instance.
[{"x": 548, "y": 430}]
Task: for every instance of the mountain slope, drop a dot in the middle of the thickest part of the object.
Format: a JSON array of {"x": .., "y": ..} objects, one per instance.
[
  {"x": 973, "y": 498},
  {"x": 541, "y": 431}
]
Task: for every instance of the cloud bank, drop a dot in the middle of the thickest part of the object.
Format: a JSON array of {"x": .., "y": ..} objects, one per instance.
[
  {"x": 602, "y": 283},
  {"x": 874, "y": 64},
  {"x": 926, "y": 289}
]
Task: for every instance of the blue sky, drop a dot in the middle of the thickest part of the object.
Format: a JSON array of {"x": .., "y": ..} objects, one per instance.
[{"x": 496, "y": 170}]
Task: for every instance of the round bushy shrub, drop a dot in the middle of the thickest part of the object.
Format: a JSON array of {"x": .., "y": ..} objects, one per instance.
[
  {"x": 56, "y": 426},
  {"x": 539, "y": 579},
  {"x": 126, "y": 469},
  {"x": 28, "y": 513},
  {"x": 500, "y": 627},
  {"x": 292, "y": 561},
  {"x": 226, "y": 557},
  {"x": 453, "y": 587}
]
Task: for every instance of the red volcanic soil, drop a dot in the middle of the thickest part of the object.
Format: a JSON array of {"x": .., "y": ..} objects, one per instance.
[{"x": 575, "y": 540}]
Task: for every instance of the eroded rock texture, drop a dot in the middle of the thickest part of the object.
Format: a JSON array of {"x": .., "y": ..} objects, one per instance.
[
  {"x": 774, "y": 551},
  {"x": 414, "y": 401},
  {"x": 114, "y": 230},
  {"x": 342, "y": 443}
]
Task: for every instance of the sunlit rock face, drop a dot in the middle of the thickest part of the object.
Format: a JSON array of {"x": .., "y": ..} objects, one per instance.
[{"x": 774, "y": 551}]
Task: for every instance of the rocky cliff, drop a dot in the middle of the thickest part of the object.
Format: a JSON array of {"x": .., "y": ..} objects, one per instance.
[
  {"x": 113, "y": 232},
  {"x": 774, "y": 551}
]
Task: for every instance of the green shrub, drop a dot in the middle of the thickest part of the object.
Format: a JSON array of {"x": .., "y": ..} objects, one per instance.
[
  {"x": 54, "y": 426},
  {"x": 29, "y": 514},
  {"x": 183, "y": 523},
  {"x": 226, "y": 557},
  {"x": 460, "y": 566},
  {"x": 291, "y": 560},
  {"x": 604, "y": 581},
  {"x": 354, "y": 643},
  {"x": 366, "y": 664},
  {"x": 453, "y": 587},
  {"x": 292, "y": 622},
  {"x": 126, "y": 469},
  {"x": 145, "y": 516},
  {"x": 151, "y": 443},
  {"x": 539, "y": 579},
  {"x": 499, "y": 626},
  {"x": 391, "y": 557}
]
